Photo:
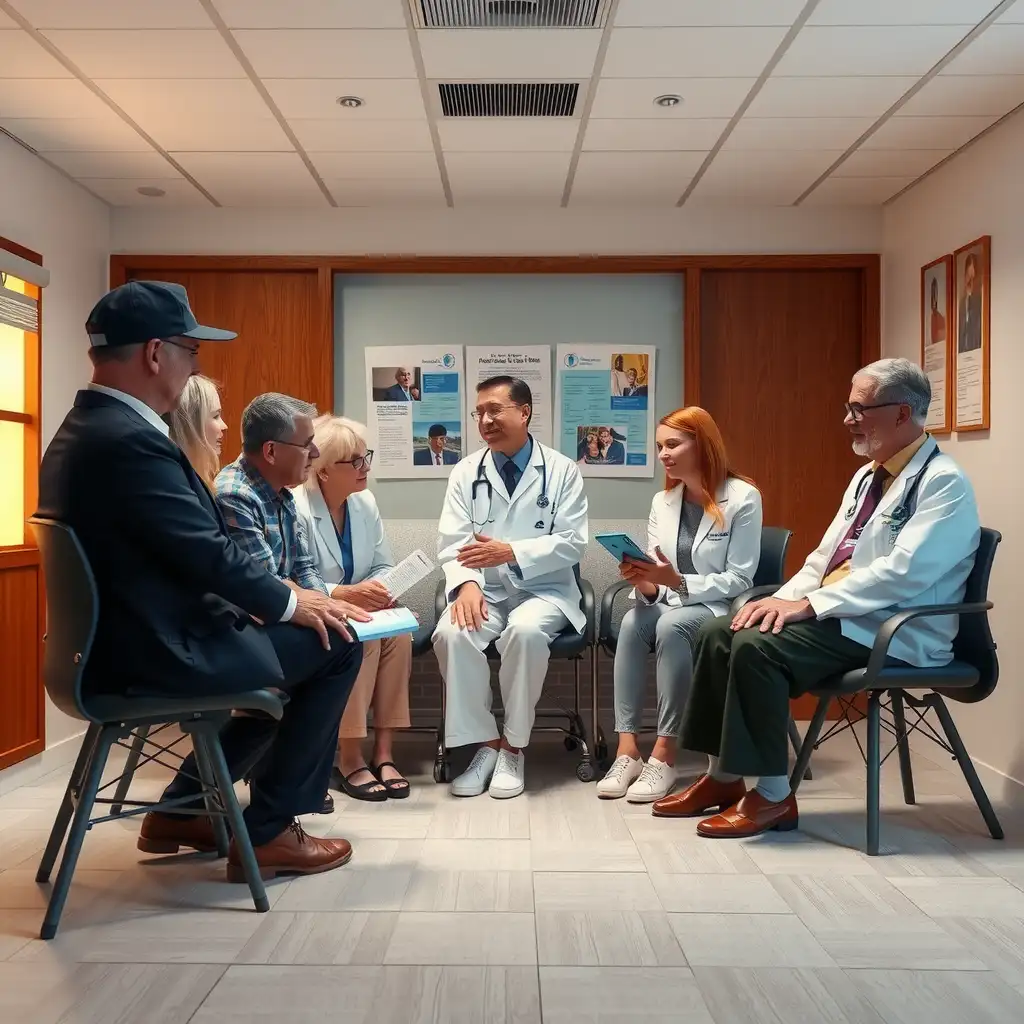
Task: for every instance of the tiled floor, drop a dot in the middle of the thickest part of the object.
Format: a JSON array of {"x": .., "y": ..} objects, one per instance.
[{"x": 554, "y": 906}]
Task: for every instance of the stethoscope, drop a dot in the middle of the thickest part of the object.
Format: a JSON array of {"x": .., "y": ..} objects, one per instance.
[
  {"x": 901, "y": 513},
  {"x": 481, "y": 481}
]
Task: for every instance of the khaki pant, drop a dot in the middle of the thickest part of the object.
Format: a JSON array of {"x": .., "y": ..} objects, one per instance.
[{"x": 383, "y": 684}]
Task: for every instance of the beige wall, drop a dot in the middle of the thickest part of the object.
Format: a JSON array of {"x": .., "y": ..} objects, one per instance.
[{"x": 979, "y": 192}]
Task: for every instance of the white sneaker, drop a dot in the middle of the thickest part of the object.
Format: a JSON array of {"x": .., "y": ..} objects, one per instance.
[
  {"x": 509, "y": 777},
  {"x": 623, "y": 771},
  {"x": 654, "y": 782},
  {"x": 475, "y": 779}
]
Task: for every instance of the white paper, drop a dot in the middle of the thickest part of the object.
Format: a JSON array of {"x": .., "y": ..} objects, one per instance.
[
  {"x": 531, "y": 363},
  {"x": 407, "y": 573}
]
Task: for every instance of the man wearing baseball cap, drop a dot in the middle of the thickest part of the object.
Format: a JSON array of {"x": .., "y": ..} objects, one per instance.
[{"x": 179, "y": 601}]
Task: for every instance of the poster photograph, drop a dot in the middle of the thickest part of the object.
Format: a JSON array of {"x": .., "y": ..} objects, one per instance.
[
  {"x": 937, "y": 341},
  {"x": 531, "y": 363},
  {"x": 972, "y": 269}
]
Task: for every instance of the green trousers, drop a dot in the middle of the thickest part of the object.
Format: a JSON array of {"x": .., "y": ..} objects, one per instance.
[{"x": 738, "y": 709}]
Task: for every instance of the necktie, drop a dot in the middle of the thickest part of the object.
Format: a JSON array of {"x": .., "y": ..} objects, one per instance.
[
  {"x": 437, "y": 459},
  {"x": 844, "y": 552},
  {"x": 510, "y": 474}
]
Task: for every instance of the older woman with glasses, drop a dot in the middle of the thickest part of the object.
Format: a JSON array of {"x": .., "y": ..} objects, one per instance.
[{"x": 346, "y": 537}]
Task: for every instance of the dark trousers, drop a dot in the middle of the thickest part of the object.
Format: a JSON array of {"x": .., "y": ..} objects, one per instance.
[
  {"x": 295, "y": 755},
  {"x": 738, "y": 709}
]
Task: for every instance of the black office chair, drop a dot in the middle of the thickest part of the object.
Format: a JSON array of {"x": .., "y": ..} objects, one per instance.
[
  {"x": 567, "y": 646},
  {"x": 970, "y": 677},
  {"x": 72, "y": 614},
  {"x": 767, "y": 578}
]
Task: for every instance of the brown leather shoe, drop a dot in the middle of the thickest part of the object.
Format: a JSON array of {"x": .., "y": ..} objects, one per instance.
[
  {"x": 750, "y": 817},
  {"x": 706, "y": 793},
  {"x": 293, "y": 852},
  {"x": 167, "y": 833}
]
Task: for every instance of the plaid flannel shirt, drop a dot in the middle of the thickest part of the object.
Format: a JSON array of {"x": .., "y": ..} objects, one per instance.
[{"x": 263, "y": 523}]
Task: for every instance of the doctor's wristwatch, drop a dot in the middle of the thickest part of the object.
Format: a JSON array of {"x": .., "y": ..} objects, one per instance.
[{"x": 682, "y": 590}]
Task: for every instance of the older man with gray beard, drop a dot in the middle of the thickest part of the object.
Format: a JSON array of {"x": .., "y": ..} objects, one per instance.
[{"x": 905, "y": 534}]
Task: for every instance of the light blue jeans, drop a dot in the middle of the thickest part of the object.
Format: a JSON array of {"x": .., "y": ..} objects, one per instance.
[{"x": 670, "y": 633}]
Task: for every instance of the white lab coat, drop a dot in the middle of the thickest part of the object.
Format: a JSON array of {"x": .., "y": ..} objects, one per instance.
[
  {"x": 545, "y": 556},
  {"x": 371, "y": 553},
  {"x": 927, "y": 561},
  {"x": 725, "y": 556}
]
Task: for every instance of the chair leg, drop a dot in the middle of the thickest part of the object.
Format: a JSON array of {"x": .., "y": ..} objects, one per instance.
[
  {"x": 209, "y": 737},
  {"x": 803, "y": 758},
  {"x": 874, "y": 766},
  {"x": 79, "y": 826},
  {"x": 130, "y": 764},
  {"x": 210, "y": 791},
  {"x": 67, "y": 806},
  {"x": 903, "y": 747},
  {"x": 795, "y": 742},
  {"x": 967, "y": 767}
]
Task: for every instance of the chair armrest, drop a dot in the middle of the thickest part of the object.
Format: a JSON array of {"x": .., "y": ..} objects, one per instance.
[
  {"x": 752, "y": 595},
  {"x": 607, "y": 608},
  {"x": 440, "y": 600},
  {"x": 892, "y": 625},
  {"x": 589, "y": 609}
]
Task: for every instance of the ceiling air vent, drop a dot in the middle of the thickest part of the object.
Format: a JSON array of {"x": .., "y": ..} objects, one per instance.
[
  {"x": 508, "y": 99},
  {"x": 510, "y": 13}
]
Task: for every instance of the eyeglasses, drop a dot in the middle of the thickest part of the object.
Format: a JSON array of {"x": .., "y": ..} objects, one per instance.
[
  {"x": 492, "y": 411},
  {"x": 309, "y": 446},
  {"x": 192, "y": 350},
  {"x": 856, "y": 411},
  {"x": 359, "y": 462}
]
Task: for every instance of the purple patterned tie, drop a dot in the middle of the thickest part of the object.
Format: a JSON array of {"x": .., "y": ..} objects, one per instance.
[{"x": 844, "y": 552}]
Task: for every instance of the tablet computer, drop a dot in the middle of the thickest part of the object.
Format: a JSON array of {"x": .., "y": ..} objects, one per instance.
[{"x": 621, "y": 544}]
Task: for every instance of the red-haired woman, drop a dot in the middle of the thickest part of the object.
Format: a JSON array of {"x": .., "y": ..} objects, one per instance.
[{"x": 704, "y": 535}]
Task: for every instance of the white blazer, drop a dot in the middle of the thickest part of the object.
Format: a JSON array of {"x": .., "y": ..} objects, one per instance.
[
  {"x": 725, "y": 556},
  {"x": 545, "y": 554},
  {"x": 371, "y": 553},
  {"x": 900, "y": 562}
]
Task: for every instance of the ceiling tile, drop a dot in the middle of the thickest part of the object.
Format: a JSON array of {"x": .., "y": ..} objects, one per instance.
[
  {"x": 385, "y": 98},
  {"x": 700, "y": 52},
  {"x": 828, "y": 97},
  {"x": 245, "y": 196},
  {"x": 702, "y": 97},
  {"x": 376, "y": 166},
  {"x": 6, "y": 21},
  {"x": 217, "y": 170},
  {"x": 159, "y": 101},
  {"x": 947, "y": 133},
  {"x": 22, "y": 57},
  {"x": 49, "y": 97},
  {"x": 625, "y": 170},
  {"x": 655, "y": 134},
  {"x": 322, "y": 53},
  {"x": 999, "y": 50},
  {"x": 507, "y": 176},
  {"x": 228, "y": 135},
  {"x": 76, "y": 133},
  {"x": 116, "y": 14},
  {"x": 312, "y": 13},
  {"x": 856, "y": 191},
  {"x": 335, "y": 136},
  {"x": 595, "y": 191},
  {"x": 967, "y": 95},
  {"x": 113, "y": 165},
  {"x": 122, "y": 192},
  {"x": 889, "y": 163},
  {"x": 524, "y": 54},
  {"x": 389, "y": 192},
  {"x": 901, "y": 12},
  {"x": 657, "y": 13},
  {"x": 142, "y": 53},
  {"x": 862, "y": 50},
  {"x": 797, "y": 132},
  {"x": 779, "y": 178},
  {"x": 508, "y": 134}
]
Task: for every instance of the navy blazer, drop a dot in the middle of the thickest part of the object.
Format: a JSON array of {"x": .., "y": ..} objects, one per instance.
[{"x": 425, "y": 457}]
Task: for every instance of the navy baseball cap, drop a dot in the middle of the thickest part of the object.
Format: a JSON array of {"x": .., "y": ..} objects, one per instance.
[{"x": 140, "y": 310}]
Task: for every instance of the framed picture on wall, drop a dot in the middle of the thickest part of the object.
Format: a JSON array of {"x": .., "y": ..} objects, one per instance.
[
  {"x": 937, "y": 341},
  {"x": 972, "y": 267}
]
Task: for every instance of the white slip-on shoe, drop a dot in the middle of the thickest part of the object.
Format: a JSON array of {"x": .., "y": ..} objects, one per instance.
[
  {"x": 509, "y": 777},
  {"x": 476, "y": 778},
  {"x": 654, "y": 782},
  {"x": 624, "y": 770}
]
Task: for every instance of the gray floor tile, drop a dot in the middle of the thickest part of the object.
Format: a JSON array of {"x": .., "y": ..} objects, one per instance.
[
  {"x": 614, "y": 938},
  {"x": 747, "y": 940}
]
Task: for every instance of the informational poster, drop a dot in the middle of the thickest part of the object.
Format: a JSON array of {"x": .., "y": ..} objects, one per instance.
[
  {"x": 415, "y": 410},
  {"x": 531, "y": 363},
  {"x": 604, "y": 408}
]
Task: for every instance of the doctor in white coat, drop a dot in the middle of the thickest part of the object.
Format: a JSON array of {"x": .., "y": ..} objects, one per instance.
[
  {"x": 905, "y": 535},
  {"x": 704, "y": 534},
  {"x": 514, "y": 524}
]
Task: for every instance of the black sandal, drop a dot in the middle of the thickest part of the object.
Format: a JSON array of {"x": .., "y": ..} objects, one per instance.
[
  {"x": 397, "y": 789},
  {"x": 365, "y": 790}
]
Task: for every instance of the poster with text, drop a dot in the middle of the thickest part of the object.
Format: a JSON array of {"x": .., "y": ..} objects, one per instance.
[
  {"x": 531, "y": 363},
  {"x": 604, "y": 408},
  {"x": 415, "y": 410}
]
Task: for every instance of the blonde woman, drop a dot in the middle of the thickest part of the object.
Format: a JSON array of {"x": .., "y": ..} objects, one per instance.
[
  {"x": 346, "y": 537},
  {"x": 197, "y": 427}
]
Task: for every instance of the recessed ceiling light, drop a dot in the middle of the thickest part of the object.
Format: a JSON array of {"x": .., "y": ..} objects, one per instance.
[
  {"x": 151, "y": 191},
  {"x": 352, "y": 102},
  {"x": 668, "y": 100}
]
